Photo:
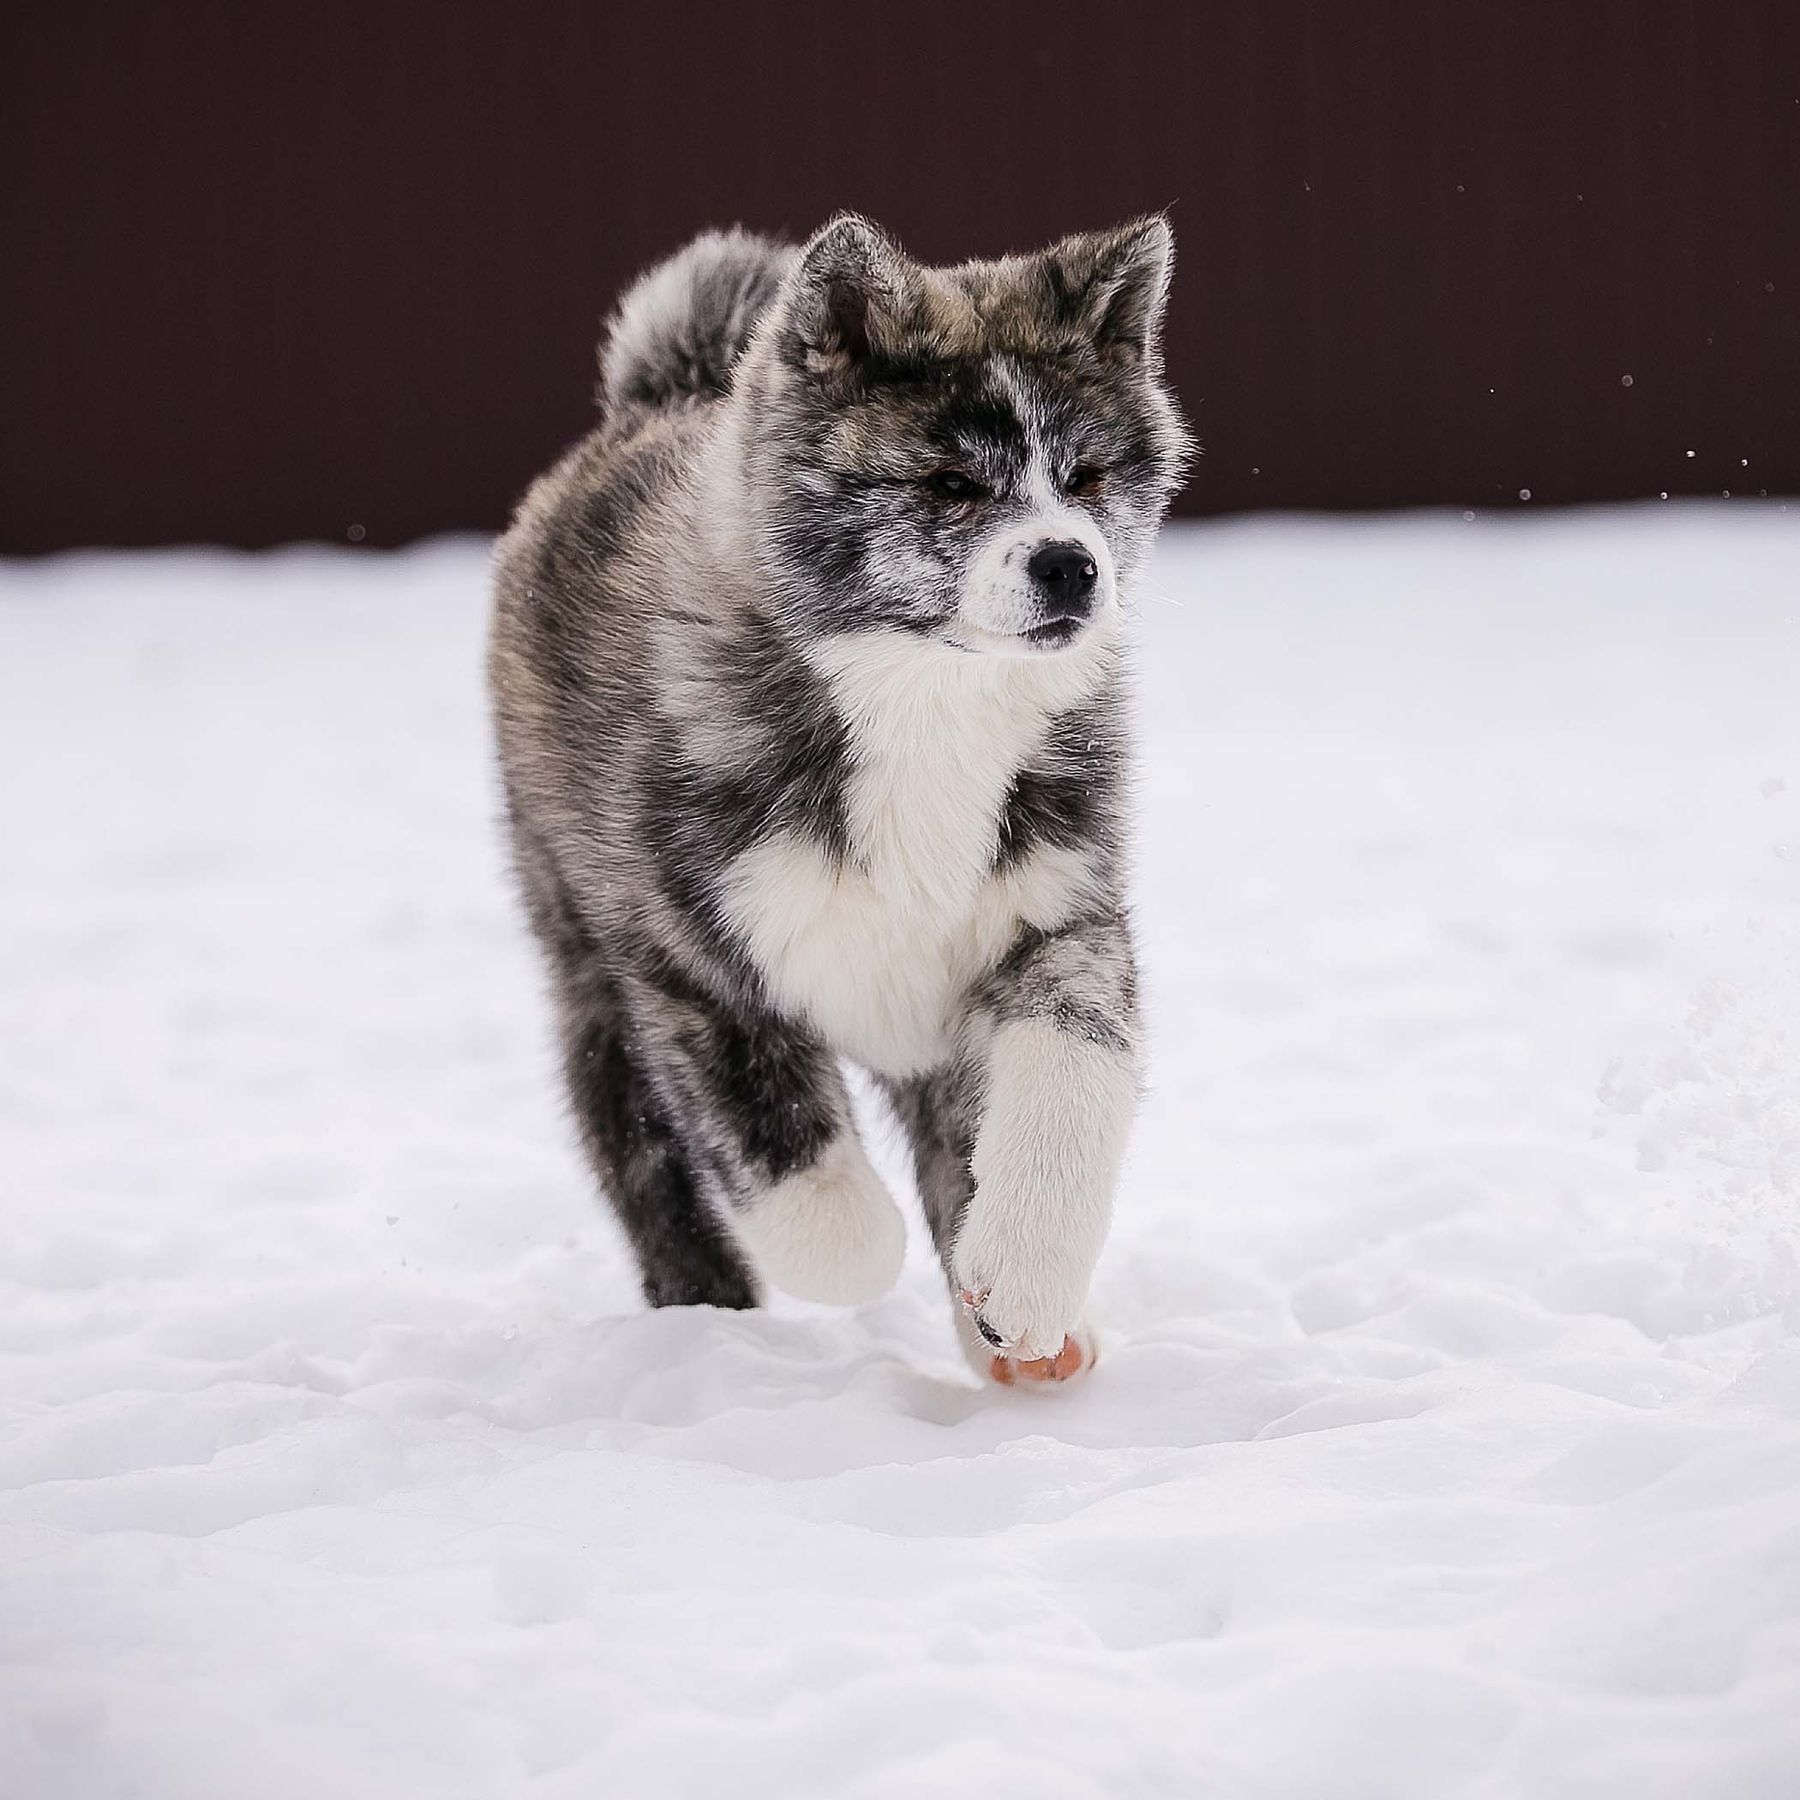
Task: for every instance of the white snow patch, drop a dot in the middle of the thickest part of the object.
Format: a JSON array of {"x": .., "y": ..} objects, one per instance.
[{"x": 1438, "y": 1448}]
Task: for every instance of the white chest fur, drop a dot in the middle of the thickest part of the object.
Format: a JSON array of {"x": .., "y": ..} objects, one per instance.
[{"x": 877, "y": 948}]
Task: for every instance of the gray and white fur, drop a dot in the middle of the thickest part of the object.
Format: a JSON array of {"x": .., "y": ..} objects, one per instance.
[{"x": 807, "y": 668}]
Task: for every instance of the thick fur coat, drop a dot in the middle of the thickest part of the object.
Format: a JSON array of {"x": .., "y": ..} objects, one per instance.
[{"x": 807, "y": 668}]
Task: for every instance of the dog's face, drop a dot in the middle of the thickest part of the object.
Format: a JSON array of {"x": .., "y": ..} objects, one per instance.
[{"x": 977, "y": 455}]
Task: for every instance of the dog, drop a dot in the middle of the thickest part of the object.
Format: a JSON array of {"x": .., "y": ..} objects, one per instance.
[{"x": 808, "y": 673}]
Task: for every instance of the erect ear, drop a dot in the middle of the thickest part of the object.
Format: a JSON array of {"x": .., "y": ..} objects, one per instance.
[
  {"x": 1114, "y": 285},
  {"x": 844, "y": 299}
]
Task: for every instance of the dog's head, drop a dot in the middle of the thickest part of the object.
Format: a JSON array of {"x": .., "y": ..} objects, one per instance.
[{"x": 979, "y": 455}]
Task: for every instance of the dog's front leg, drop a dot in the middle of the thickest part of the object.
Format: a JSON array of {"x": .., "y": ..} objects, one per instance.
[{"x": 1062, "y": 1069}]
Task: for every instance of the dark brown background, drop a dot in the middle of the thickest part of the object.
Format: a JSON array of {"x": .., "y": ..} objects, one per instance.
[{"x": 310, "y": 271}]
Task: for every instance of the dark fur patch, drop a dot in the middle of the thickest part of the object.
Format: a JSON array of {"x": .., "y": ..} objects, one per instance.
[
  {"x": 1069, "y": 795},
  {"x": 772, "y": 1086},
  {"x": 686, "y": 1256},
  {"x": 1081, "y": 977},
  {"x": 699, "y": 818},
  {"x": 939, "y": 1113}
]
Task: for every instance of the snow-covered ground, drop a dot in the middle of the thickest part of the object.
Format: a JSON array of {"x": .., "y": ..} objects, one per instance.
[{"x": 1447, "y": 1441}]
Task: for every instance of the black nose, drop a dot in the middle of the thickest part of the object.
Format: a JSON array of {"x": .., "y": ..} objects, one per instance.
[{"x": 1066, "y": 577}]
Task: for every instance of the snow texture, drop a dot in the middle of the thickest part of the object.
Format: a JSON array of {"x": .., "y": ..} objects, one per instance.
[{"x": 1447, "y": 1437}]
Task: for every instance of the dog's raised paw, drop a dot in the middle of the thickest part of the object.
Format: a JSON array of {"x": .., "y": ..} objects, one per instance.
[
  {"x": 1024, "y": 1305},
  {"x": 1012, "y": 1365},
  {"x": 1079, "y": 1353}
]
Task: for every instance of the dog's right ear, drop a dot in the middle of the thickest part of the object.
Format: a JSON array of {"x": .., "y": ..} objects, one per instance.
[{"x": 844, "y": 300}]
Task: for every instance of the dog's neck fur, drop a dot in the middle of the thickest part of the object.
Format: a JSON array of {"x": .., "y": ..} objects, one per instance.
[{"x": 938, "y": 734}]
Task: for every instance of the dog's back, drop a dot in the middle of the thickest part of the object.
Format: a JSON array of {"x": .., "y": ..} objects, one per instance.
[
  {"x": 667, "y": 357},
  {"x": 581, "y": 577}
]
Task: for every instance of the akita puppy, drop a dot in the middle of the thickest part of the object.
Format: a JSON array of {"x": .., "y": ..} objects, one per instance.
[{"x": 808, "y": 672}]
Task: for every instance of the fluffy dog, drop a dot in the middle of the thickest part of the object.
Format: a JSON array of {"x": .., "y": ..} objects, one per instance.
[{"x": 807, "y": 673}]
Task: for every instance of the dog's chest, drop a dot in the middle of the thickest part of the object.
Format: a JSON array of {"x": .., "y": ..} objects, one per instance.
[{"x": 877, "y": 948}]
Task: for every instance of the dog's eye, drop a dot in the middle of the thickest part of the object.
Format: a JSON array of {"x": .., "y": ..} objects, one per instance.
[
  {"x": 954, "y": 484},
  {"x": 1084, "y": 478}
]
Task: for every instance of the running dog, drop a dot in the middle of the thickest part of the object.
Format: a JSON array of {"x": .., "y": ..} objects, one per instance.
[{"x": 808, "y": 670}]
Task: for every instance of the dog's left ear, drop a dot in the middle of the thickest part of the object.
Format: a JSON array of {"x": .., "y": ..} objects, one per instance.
[{"x": 1114, "y": 286}]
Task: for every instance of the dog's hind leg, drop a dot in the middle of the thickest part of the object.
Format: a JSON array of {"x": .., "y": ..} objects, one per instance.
[
  {"x": 634, "y": 1141},
  {"x": 685, "y": 1255},
  {"x": 766, "y": 1117}
]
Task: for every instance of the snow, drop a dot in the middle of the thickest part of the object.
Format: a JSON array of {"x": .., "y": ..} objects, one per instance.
[{"x": 1447, "y": 1438}]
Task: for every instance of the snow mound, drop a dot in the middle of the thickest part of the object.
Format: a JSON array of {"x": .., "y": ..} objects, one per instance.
[
  {"x": 1448, "y": 1436},
  {"x": 1719, "y": 1111}
]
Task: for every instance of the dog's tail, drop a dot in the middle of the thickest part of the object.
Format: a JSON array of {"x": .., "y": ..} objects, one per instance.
[{"x": 681, "y": 325}]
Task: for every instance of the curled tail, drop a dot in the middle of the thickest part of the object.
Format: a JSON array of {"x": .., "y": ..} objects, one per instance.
[{"x": 681, "y": 324}]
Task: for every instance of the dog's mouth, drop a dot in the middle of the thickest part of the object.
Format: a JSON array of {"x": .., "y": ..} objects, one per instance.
[
  {"x": 1053, "y": 634},
  {"x": 1044, "y": 639}
]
